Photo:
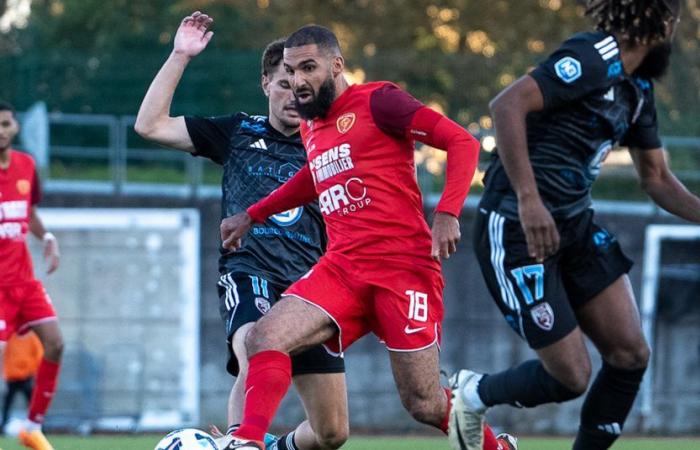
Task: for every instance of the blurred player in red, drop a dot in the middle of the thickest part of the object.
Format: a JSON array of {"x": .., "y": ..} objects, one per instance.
[
  {"x": 23, "y": 354},
  {"x": 23, "y": 302},
  {"x": 381, "y": 272}
]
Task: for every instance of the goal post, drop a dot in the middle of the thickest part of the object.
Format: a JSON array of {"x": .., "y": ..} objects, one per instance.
[
  {"x": 128, "y": 299},
  {"x": 654, "y": 237}
]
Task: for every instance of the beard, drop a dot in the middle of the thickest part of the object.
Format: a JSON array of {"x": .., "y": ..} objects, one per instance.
[
  {"x": 655, "y": 63},
  {"x": 320, "y": 104}
]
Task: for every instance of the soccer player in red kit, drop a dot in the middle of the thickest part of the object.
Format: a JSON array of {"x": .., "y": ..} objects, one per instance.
[
  {"x": 23, "y": 302},
  {"x": 381, "y": 272}
]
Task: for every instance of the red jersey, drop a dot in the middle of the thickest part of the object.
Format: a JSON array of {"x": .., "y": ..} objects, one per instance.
[
  {"x": 361, "y": 167},
  {"x": 19, "y": 192}
]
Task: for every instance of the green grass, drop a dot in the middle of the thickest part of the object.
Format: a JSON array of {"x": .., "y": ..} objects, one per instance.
[{"x": 359, "y": 443}]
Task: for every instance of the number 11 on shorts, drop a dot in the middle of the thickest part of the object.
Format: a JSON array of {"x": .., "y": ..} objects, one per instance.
[{"x": 418, "y": 307}]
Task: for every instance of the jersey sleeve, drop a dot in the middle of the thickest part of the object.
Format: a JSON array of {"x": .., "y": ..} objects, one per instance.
[
  {"x": 578, "y": 67},
  {"x": 298, "y": 190},
  {"x": 36, "y": 189},
  {"x": 643, "y": 134},
  {"x": 393, "y": 109},
  {"x": 211, "y": 135}
]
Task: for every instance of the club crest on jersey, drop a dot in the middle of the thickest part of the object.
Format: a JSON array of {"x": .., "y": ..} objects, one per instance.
[
  {"x": 23, "y": 187},
  {"x": 287, "y": 218},
  {"x": 262, "y": 304},
  {"x": 345, "y": 122},
  {"x": 568, "y": 69},
  {"x": 543, "y": 316}
]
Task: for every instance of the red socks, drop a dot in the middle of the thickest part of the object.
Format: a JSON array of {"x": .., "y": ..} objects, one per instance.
[
  {"x": 269, "y": 377},
  {"x": 46, "y": 379},
  {"x": 446, "y": 420},
  {"x": 490, "y": 442}
]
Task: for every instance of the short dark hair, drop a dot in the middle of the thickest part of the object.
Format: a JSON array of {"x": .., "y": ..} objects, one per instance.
[
  {"x": 314, "y": 34},
  {"x": 6, "y": 106},
  {"x": 640, "y": 22},
  {"x": 272, "y": 56}
]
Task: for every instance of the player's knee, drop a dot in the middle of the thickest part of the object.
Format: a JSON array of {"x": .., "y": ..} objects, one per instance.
[
  {"x": 574, "y": 381},
  {"x": 630, "y": 357},
  {"x": 258, "y": 340},
  {"x": 334, "y": 437}
]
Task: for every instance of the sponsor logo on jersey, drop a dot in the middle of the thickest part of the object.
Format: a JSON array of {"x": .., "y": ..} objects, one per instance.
[
  {"x": 615, "y": 69},
  {"x": 262, "y": 304},
  {"x": 543, "y": 316},
  {"x": 13, "y": 210},
  {"x": 344, "y": 198},
  {"x": 568, "y": 69},
  {"x": 331, "y": 162},
  {"x": 260, "y": 144},
  {"x": 10, "y": 230},
  {"x": 288, "y": 218},
  {"x": 345, "y": 122},
  {"x": 23, "y": 186},
  {"x": 610, "y": 95}
]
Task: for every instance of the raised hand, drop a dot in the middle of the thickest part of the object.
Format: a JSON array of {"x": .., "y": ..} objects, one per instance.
[{"x": 192, "y": 36}]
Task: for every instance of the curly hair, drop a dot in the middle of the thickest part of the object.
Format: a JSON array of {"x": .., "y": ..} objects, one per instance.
[{"x": 639, "y": 22}]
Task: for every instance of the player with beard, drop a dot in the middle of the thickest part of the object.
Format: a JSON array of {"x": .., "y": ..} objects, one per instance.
[
  {"x": 381, "y": 272},
  {"x": 554, "y": 273},
  {"x": 258, "y": 153}
]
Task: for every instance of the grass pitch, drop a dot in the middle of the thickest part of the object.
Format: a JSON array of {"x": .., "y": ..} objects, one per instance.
[{"x": 356, "y": 443}]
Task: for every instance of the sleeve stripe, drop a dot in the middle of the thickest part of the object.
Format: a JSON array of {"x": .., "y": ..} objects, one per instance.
[{"x": 604, "y": 42}]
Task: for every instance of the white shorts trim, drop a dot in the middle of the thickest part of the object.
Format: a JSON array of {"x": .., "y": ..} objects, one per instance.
[
  {"x": 340, "y": 331},
  {"x": 435, "y": 342}
]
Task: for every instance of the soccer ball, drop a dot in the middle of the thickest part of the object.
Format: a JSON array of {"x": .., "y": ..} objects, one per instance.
[{"x": 187, "y": 439}]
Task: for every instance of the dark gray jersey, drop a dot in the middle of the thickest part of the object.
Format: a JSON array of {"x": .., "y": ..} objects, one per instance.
[
  {"x": 257, "y": 160},
  {"x": 590, "y": 105}
]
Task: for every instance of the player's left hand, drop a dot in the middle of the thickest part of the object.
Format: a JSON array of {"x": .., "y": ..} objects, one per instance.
[
  {"x": 446, "y": 235},
  {"x": 51, "y": 254},
  {"x": 233, "y": 229}
]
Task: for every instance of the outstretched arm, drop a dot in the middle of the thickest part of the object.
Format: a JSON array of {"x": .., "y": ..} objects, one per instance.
[
  {"x": 397, "y": 113},
  {"x": 153, "y": 121},
  {"x": 663, "y": 187},
  {"x": 299, "y": 190}
]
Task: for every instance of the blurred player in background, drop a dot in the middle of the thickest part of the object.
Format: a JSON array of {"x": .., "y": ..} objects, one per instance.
[
  {"x": 382, "y": 271},
  {"x": 554, "y": 273},
  {"x": 24, "y": 303},
  {"x": 23, "y": 354},
  {"x": 258, "y": 154}
]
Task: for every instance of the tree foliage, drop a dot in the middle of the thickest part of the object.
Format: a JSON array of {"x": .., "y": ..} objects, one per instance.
[{"x": 99, "y": 55}]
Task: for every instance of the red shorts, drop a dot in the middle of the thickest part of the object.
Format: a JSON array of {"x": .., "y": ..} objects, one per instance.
[
  {"x": 402, "y": 305},
  {"x": 22, "y": 306}
]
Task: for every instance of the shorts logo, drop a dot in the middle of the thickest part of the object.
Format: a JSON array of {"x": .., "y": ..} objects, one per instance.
[
  {"x": 543, "y": 316},
  {"x": 288, "y": 218},
  {"x": 262, "y": 304},
  {"x": 568, "y": 69},
  {"x": 23, "y": 187},
  {"x": 345, "y": 122},
  {"x": 409, "y": 330}
]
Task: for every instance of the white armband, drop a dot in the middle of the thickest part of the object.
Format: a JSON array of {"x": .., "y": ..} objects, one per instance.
[{"x": 48, "y": 237}]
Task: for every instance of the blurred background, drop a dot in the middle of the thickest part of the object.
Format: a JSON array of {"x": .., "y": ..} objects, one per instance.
[{"x": 145, "y": 350}]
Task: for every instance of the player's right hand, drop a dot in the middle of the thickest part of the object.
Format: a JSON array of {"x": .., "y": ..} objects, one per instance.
[
  {"x": 233, "y": 229},
  {"x": 192, "y": 37},
  {"x": 539, "y": 227}
]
